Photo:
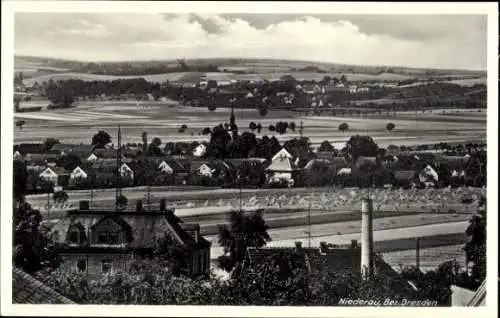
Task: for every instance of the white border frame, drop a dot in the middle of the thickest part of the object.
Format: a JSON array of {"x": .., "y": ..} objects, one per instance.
[{"x": 8, "y": 9}]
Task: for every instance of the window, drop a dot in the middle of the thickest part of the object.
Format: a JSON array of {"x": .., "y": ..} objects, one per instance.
[
  {"x": 81, "y": 265},
  {"x": 106, "y": 266},
  {"x": 113, "y": 238},
  {"x": 102, "y": 238},
  {"x": 200, "y": 263},
  {"x": 74, "y": 236}
]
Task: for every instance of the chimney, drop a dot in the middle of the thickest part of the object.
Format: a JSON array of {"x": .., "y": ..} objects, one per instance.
[
  {"x": 354, "y": 243},
  {"x": 298, "y": 246},
  {"x": 323, "y": 247},
  {"x": 366, "y": 238}
]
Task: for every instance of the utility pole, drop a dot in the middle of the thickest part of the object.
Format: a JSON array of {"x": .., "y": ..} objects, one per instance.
[
  {"x": 91, "y": 198},
  {"x": 48, "y": 204}
]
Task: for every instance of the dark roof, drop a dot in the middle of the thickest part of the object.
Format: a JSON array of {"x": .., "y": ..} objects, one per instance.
[
  {"x": 103, "y": 164},
  {"x": 105, "y": 153},
  {"x": 240, "y": 161},
  {"x": 28, "y": 290},
  {"x": 25, "y": 148},
  {"x": 372, "y": 161},
  {"x": 144, "y": 228},
  {"x": 339, "y": 162},
  {"x": 40, "y": 157},
  {"x": 405, "y": 175},
  {"x": 325, "y": 155},
  {"x": 78, "y": 149}
]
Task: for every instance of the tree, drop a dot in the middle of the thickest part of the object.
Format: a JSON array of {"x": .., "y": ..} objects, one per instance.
[
  {"x": 121, "y": 201},
  {"x": 206, "y": 131},
  {"x": 292, "y": 126},
  {"x": 218, "y": 144},
  {"x": 263, "y": 111},
  {"x": 60, "y": 197},
  {"x": 183, "y": 128},
  {"x": 281, "y": 127},
  {"x": 475, "y": 248},
  {"x": 69, "y": 161},
  {"x": 343, "y": 79},
  {"x": 101, "y": 139},
  {"x": 326, "y": 146},
  {"x": 20, "y": 124},
  {"x": 390, "y": 126},
  {"x": 272, "y": 128},
  {"x": 259, "y": 128},
  {"x": 138, "y": 205},
  {"x": 252, "y": 126},
  {"x": 343, "y": 127},
  {"x": 154, "y": 147},
  {"x": 358, "y": 146},
  {"x": 50, "y": 142},
  {"x": 144, "y": 141},
  {"x": 242, "y": 232}
]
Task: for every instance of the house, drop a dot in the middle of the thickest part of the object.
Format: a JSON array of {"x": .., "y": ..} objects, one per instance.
[
  {"x": 17, "y": 155},
  {"x": 109, "y": 165},
  {"x": 429, "y": 176},
  {"x": 54, "y": 175},
  {"x": 26, "y": 289},
  {"x": 77, "y": 174},
  {"x": 282, "y": 167},
  {"x": 92, "y": 158},
  {"x": 200, "y": 150},
  {"x": 99, "y": 241},
  {"x": 105, "y": 153}
]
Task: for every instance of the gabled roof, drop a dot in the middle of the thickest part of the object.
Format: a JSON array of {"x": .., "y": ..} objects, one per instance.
[
  {"x": 28, "y": 290},
  {"x": 282, "y": 165},
  {"x": 145, "y": 228},
  {"x": 102, "y": 164},
  {"x": 105, "y": 153},
  {"x": 282, "y": 153},
  {"x": 57, "y": 170}
]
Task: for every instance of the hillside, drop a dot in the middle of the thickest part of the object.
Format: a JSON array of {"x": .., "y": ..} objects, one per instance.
[{"x": 38, "y": 66}]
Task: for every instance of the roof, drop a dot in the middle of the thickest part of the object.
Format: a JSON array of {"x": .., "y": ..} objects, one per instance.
[
  {"x": 103, "y": 164},
  {"x": 282, "y": 153},
  {"x": 58, "y": 170},
  {"x": 282, "y": 164},
  {"x": 28, "y": 290},
  {"x": 105, "y": 153},
  {"x": 325, "y": 155},
  {"x": 404, "y": 175},
  {"x": 81, "y": 149},
  {"x": 25, "y": 148},
  {"x": 40, "y": 157},
  {"x": 339, "y": 162},
  {"x": 240, "y": 161},
  {"x": 362, "y": 161},
  {"x": 143, "y": 228},
  {"x": 311, "y": 163}
]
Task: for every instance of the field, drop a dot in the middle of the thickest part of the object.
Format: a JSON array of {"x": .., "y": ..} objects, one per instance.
[{"x": 162, "y": 119}]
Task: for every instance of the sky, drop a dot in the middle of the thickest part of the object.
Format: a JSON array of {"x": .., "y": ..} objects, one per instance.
[{"x": 431, "y": 41}]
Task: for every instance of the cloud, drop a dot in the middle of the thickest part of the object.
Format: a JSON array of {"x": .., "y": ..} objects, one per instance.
[{"x": 423, "y": 41}]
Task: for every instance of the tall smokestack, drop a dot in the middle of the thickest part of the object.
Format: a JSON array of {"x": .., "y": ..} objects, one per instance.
[{"x": 366, "y": 238}]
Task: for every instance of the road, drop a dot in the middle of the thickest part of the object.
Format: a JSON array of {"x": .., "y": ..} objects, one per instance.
[{"x": 281, "y": 238}]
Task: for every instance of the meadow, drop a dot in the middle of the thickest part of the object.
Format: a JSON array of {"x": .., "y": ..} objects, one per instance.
[{"x": 163, "y": 119}]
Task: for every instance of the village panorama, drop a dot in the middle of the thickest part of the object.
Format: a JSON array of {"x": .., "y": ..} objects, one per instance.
[{"x": 158, "y": 172}]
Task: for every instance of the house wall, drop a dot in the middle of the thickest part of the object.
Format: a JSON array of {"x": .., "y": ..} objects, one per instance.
[
  {"x": 200, "y": 262},
  {"x": 106, "y": 227},
  {"x": 94, "y": 262}
]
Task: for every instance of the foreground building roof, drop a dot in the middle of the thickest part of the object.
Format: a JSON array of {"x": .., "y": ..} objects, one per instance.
[{"x": 28, "y": 290}]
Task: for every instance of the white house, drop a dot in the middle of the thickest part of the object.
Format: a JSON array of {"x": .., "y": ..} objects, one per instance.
[
  {"x": 51, "y": 174},
  {"x": 205, "y": 170},
  {"x": 282, "y": 167},
  {"x": 344, "y": 172},
  {"x": 126, "y": 171},
  {"x": 353, "y": 89},
  {"x": 164, "y": 167},
  {"x": 428, "y": 176},
  {"x": 17, "y": 155},
  {"x": 92, "y": 157},
  {"x": 77, "y": 174},
  {"x": 200, "y": 150}
]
